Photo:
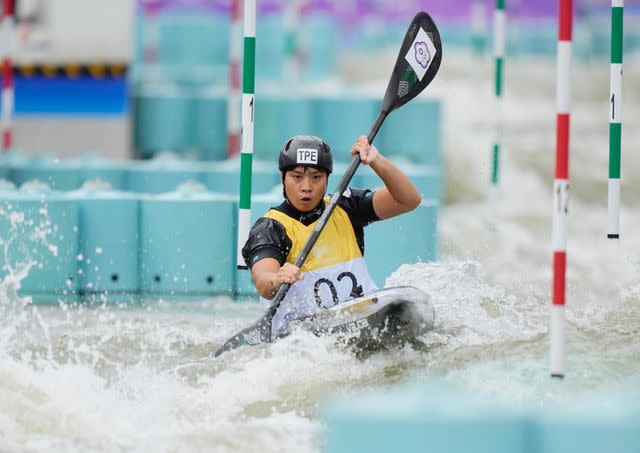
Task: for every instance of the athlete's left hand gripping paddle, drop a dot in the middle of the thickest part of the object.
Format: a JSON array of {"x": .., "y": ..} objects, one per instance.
[{"x": 416, "y": 66}]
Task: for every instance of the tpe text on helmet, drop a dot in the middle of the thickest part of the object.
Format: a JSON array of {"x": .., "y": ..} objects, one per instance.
[{"x": 307, "y": 156}]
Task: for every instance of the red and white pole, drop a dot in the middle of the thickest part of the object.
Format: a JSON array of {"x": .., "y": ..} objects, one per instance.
[
  {"x": 8, "y": 28},
  {"x": 561, "y": 186},
  {"x": 234, "y": 102},
  {"x": 151, "y": 37}
]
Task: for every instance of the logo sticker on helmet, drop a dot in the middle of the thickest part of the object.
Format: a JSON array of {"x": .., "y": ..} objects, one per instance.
[
  {"x": 421, "y": 53},
  {"x": 307, "y": 156}
]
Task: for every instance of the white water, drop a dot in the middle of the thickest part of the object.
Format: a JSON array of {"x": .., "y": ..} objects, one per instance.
[{"x": 115, "y": 378}]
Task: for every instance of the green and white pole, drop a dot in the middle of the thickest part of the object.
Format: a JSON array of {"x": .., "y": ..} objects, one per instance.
[
  {"x": 615, "y": 118},
  {"x": 499, "y": 46},
  {"x": 246, "y": 152}
]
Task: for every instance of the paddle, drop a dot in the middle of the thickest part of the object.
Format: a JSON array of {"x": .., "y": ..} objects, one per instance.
[{"x": 416, "y": 66}]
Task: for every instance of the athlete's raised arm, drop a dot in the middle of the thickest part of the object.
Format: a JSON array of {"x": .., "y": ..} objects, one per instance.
[{"x": 398, "y": 195}]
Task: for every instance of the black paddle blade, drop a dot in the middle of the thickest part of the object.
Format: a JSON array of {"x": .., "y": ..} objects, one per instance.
[
  {"x": 258, "y": 333},
  {"x": 417, "y": 64}
]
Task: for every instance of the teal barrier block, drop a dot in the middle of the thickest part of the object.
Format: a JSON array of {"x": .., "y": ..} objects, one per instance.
[
  {"x": 259, "y": 206},
  {"x": 95, "y": 166},
  {"x": 185, "y": 246},
  {"x": 340, "y": 121},
  {"x": 10, "y": 160},
  {"x": 422, "y": 418},
  {"x": 270, "y": 46},
  {"x": 414, "y": 238},
  {"x": 321, "y": 56},
  {"x": 456, "y": 34},
  {"x": 210, "y": 124},
  {"x": 607, "y": 423},
  {"x": 244, "y": 287},
  {"x": 5, "y": 165},
  {"x": 426, "y": 178},
  {"x": 339, "y": 169},
  {"x": 114, "y": 175},
  {"x": 59, "y": 175},
  {"x": 6, "y": 185},
  {"x": 159, "y": 177},
  {"x": 414, "y": 131},
  {"x": 161, "y": 120},
  {"x": 224, "y": 177},
  {"x": 193, "y": 39},
  {"x": 108, "y": 227},
  {"x": 368, "y": 36},
  {"x": 277, "y": 120},
  {"x": 39, "y": 235},
  {"x": 184, "y": 77}
]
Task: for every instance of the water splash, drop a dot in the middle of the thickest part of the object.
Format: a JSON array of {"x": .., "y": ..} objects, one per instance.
[{"x": 469, "y": 311}]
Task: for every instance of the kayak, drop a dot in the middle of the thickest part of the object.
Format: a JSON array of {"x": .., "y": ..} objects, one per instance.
[
  {"x": 385, "y": 318},
  {"x": 382, "y": 319}
]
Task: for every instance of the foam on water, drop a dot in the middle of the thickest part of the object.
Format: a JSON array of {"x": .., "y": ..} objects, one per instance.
[
  {"x": 140, "y": 377},
  {"x": 109, "y": 377}
]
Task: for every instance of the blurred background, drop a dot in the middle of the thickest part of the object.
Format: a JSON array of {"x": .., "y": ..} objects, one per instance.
[
  {"x": 132, "y": 78},
  {"x": 139, "y": 95}
]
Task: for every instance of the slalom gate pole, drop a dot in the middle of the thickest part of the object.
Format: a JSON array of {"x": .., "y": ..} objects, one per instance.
[
  {"x": 615, "y": 118},
  {"x": 246, "y": 154},
  {"x": 235, "y": 96},
  {"x": 151, "y": 39},
  {"x": 561, "y": 187},
  {"x": 499, "y": 47},
  {"x": 8, "y": 31}
]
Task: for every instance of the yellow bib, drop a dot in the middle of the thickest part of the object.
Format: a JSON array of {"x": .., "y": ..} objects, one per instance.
[{"x": 336, "y": 244}]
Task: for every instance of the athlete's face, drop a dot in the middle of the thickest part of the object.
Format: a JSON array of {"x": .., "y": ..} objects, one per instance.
[{"x": 305, "y": 187}]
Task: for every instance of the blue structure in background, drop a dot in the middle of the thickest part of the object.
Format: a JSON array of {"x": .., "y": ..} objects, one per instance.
[
  {"x": 181, "y": 39},
  {"x": 436, "y": 416},
  {"x": 160, "y": 177},
  {"x": 162, "y": 117},
  {"x": 415, "y": 239},
  {"x": 147, "y": 238},
  {"x": 195, "y": 260},
  {"x": 172, "y": 231},
  {"x": 209, "y": 132},
  {"x": 225, "y": 177},
  {"x": 108, "y": 245},
  {"x": 59, "y": 175},
  {"x": 64, "y": 95},
  {"x": 113, "y": 174},
  {"x": 279, "y": 117},
  {"x": 39, "y": 232},
  {"x": 195, "y": 126}
]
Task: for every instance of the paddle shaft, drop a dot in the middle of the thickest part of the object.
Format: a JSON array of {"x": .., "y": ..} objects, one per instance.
[{"x": 322, "y": 221}]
